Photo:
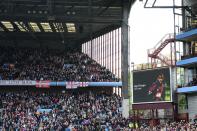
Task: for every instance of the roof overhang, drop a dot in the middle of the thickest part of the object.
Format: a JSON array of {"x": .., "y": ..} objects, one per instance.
[
  {"x": 89, "y": 17},
  {"x": 190, "y": 35},
  {"x": 187, "y": 62},
  {"x": 192, "y": 89}
]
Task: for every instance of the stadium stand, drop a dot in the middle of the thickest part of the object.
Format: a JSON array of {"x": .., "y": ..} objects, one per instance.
[
  {"x": 35, "y": 110},
  {"x": 29, "y": 110},
  {"x": 45, "y": 64}
]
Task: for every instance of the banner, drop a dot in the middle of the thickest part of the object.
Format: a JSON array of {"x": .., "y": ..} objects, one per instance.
[
  {"x": 105, "y": 84},
  {"x": 42, "y": 84},
  {"x": 48, "y": 83},
  {"x": 44, "y": 110},
  {"x": 74, "y": 85},
  {"x": 71, "y": 85},
  {"x": 17, "y": 83},
  {"x": 83, "y": 84},
  {"x": 151, "y": 86}
]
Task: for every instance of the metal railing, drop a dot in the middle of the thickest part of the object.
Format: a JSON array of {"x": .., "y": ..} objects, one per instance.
[
  {"x": 188, "y": 56},
  {"x": 167, "y": 36},
  {"x": 145, "y": 66},
  {"x": 166, "y": 60},
  {"x": 187, "y": 81},
  {"x": 192, "y": 25}
]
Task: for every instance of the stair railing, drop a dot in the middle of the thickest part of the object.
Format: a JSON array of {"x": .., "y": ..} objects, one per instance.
[{"x": 166, "y": 37}]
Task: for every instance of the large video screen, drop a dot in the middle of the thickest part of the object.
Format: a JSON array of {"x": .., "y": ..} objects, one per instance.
[{"x": 151, "y": 86}]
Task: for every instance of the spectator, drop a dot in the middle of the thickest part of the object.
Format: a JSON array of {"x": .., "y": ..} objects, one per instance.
[
  {"x": 44, "y": 64},
  {"x": 26, "y": 110},
  {"x": 44, "y": 111}
]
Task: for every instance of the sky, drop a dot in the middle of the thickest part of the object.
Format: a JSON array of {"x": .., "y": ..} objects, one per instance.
[{"x": 147, "y": 27}]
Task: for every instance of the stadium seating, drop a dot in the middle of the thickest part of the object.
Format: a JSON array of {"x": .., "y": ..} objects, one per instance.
[
  {"x": 26, "y": 110},
  {"x": 44, "y": 64},
  {"x": 76, "y": 111}
]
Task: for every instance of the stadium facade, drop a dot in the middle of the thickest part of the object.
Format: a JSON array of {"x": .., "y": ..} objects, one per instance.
[
  {"x": 182, "y": 61},
  {"x": 174, "y": 98},
  {"x": 187, "y": 97}
]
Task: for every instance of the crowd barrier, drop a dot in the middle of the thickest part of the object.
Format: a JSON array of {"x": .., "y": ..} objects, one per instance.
[{"x": 67, "y": 84}]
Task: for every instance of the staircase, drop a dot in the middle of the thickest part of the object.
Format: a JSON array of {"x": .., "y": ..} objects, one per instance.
[
  {"x": 154, "y": 53},
  {"x": 165, "y": 59}
]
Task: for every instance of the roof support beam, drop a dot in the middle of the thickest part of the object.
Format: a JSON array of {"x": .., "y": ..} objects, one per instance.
[
  {"x": 24, "y": 27},
  {"x": 28, "y": 27},
  {"x": 90, "y": 25},
  {"x": 40, "y": 27},
  {"x": 98, "y": 33},
  {"x": 16, "y": 29},
  {"x": 125, "y": 50},
  {"x": 89, "y": 17},
  {"x": 110, "y": 2},
  {"x": 76, "y": 19},
  {"x": 168, "y": 7},
  {"x": 52, "y": 26},
  {"x": 4, "y": 28},
  {"x": 64, "y": 27}
]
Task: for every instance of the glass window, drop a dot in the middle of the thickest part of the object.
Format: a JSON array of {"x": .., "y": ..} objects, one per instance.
[
  {"x": 34, "y": 26},
  {"x": 8, "y": 25},
  {"x": 46, "y": 27},
  {"x": 21, "y": 28},
  {"x": 70, "y": 27}
]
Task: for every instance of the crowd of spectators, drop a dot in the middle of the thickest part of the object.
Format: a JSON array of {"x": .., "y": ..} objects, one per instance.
[
  {"x": 76, "y": 111},
  {"x": 59, "y": 111},
  {"x": 171, "y": 126},
  {"x": 44, "y": 64}
]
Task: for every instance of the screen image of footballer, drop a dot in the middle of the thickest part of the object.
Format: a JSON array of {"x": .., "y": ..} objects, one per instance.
[{"x": 151, "y": 85}]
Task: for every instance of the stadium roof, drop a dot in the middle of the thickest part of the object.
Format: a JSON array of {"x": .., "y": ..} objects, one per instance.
[{"x": 77, "y": 20}]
